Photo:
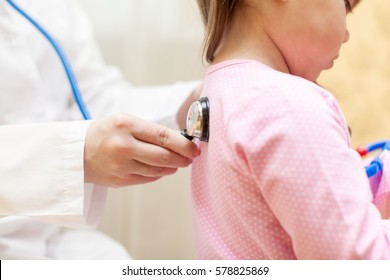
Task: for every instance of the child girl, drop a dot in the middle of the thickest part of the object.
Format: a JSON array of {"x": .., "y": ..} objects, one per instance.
[{"x": 278, "y": 178}]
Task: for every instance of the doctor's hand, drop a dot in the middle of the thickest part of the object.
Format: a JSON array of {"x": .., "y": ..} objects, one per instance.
[{"x": 123, "y": 150}]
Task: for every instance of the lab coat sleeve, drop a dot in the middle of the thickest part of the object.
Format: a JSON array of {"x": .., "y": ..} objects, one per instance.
[
  {"x": 44, "y": 177},
  {"x": 107, "y": 92}
]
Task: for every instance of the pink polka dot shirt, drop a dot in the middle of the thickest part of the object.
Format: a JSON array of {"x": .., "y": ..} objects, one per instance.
[{"x": 278, "y": 178}]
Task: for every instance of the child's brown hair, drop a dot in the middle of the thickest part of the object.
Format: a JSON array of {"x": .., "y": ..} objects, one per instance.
[{"x": 215, "y": 14}]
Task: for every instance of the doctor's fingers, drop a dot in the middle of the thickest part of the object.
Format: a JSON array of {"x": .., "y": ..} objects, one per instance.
[
  {"x": 167, "y": 138},
  {"x": 131, "y": 180},
  {"x": 141, "y": 174},
  {"x": 153, "y": 155},
  {"x": 145, "y": 170}
]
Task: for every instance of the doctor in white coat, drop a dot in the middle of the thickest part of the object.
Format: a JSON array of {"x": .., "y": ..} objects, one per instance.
[{"x": 55, "y": 167}]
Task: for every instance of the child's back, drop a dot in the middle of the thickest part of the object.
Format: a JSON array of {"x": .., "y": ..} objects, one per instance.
[
  {"x": 273, "y": 167},
  {"x": 278, "y": 178}
]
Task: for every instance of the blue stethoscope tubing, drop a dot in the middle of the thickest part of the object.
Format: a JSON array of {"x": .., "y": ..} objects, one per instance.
[
  {"x": 68, "y": 69},
  {"x": 376, "y": 164}
]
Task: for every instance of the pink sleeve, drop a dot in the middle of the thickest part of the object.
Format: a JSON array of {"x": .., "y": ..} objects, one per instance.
[
  {"x": 380, "y": 186},
  {"x": 314, "y": 183}
]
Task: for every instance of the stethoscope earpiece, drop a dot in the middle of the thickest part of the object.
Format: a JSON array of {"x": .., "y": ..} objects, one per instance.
[{"x": 198, "y": 120}]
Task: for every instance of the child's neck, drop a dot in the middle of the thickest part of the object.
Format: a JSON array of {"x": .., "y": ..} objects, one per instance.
[{"x": 243, "y": 40}]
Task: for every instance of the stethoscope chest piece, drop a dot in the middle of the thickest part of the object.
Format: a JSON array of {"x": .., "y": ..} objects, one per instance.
[{"x": 197, "y": 122}]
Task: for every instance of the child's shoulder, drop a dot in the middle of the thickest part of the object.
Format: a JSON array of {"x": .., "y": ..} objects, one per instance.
[
  {"x": 251, "y": 88},
  {"x": 248, "y": 94},
  {"x": 239, "y": 76}
]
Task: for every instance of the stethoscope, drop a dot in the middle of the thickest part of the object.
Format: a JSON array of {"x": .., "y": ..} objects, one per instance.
[
  {"x": 197, "y": 122},
  {"x": 68, "y": 69},
  {"x": 198, "y": 116},
  {"x": 376, "y": 165}
]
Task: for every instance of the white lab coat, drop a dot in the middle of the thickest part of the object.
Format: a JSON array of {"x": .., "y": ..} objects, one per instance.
[{"x": 42, "y": 133}]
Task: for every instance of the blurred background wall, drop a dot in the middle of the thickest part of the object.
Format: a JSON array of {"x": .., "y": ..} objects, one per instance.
[
  {"x": 158, "y": 42},
  {"x": 361, "y": 77}
]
